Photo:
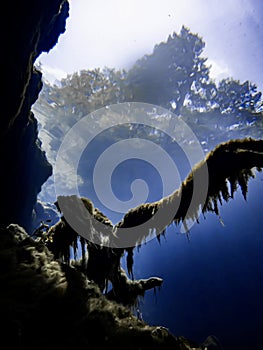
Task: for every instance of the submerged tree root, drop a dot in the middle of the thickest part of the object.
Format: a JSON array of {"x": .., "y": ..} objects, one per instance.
[{"x": 229, "y": 166}]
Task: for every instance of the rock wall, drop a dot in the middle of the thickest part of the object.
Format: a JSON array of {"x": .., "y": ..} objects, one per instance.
[
  {"x": 48, "y": 305},
  {"x": 31, "y": 27}
]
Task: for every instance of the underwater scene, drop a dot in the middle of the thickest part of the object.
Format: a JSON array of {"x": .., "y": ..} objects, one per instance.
[{"x": 157, "y": 184}]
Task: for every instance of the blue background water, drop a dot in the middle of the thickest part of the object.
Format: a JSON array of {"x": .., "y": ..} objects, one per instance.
[{"x": 213, "y": 284}]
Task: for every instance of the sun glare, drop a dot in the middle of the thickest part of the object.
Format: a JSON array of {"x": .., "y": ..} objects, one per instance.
[{"x": 116, "y": 33}]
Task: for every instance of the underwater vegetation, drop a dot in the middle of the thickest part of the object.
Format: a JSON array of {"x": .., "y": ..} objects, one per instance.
[{"x": 102, "y": 245}]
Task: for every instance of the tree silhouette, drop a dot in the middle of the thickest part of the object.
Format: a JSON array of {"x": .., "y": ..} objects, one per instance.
[
  {"x": 165, "y": 77},
  {"x": 232, "y": 97},
  {"x": 174, "y": 76}
]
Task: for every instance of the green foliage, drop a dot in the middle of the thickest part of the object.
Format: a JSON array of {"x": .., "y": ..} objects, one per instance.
[
  {"x": 235, "y": 98},
  {"x": 92, "y": 89},
  {"x": 174, "y": 76},
  {"x": 166, "y": 76}
]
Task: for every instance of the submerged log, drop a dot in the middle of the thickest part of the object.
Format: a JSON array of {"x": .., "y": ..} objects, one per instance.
[{"x": 226, "y": 168}]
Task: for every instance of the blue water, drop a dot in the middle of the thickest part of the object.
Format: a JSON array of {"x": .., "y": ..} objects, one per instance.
[{"x": 213, "y": 284}]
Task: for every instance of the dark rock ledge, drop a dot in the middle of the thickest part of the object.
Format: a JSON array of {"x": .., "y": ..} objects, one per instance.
[{"x": 49, "y": 305}]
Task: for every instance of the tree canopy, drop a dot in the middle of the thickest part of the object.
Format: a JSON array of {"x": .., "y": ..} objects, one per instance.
[{"x": 175, "y": 76}]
